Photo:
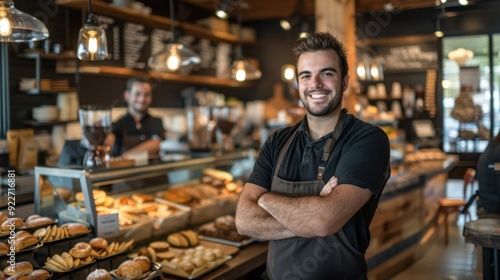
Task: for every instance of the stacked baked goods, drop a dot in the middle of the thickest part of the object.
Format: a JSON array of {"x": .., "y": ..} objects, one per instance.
[
  {"x": 101, "y": 248},
  {"x": 193, "y": 261},
  {"x": 223, "y": 227},
  {"x": 79, "y": 255},
  {"x": 21, "y": 240},
  {"x": 55, "y": 232},
  {"x": 100, "y": 199},
  {"x": 25, "y": 270}
]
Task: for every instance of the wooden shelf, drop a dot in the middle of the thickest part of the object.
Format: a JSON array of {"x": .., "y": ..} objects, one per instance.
[
  {"x": 35, "y": 91},
  {"x": 46, "y": 123},
  {"x": 33, "y": 54},
  {"x": 103, "y": 8},
  {"x": 111, "y": 71}
]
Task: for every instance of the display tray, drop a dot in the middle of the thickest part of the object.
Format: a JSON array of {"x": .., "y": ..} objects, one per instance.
[
  {"x": 66, "y": 238},
  {"x": 151, "y": 274},
  {"x": 71, "y": 270},
  {"x": 29, "y": 249},
  {"x": 242, "y": 243},
  {"x": 205, "y": 230},
  {"x": 197, "y": 272},
  {"x": 4, "y": 234}
]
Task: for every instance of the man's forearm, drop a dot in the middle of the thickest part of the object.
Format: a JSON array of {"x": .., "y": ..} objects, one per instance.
[{"x": 255, "y": 222}]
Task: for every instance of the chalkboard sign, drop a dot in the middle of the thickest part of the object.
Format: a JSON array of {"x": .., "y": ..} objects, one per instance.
[
  {"x": 131, "y": 44},
  {"x": 407, "y": 57}
]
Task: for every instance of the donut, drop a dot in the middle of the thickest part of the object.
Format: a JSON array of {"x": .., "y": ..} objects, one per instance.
[
  {"x": 81, "y": 250},
  {"x": 99, "y": 243},
  {"x": 99, "y": 274}
]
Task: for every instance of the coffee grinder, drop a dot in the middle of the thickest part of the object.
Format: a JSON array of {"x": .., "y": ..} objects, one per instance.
[{"x": 96, "y": 125}]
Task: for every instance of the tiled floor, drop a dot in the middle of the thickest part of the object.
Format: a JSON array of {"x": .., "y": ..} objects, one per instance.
[{"x": 457, "y": 261}]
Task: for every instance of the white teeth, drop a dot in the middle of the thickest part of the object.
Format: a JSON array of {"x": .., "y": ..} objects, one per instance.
[{"x": 318, "y": 95}]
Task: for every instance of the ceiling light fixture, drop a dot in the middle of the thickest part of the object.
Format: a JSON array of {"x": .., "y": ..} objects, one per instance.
[
  {"x": 17, "y": 26},
  {"x": 438, "y": 32},
  {"x": 290, "y": 22},
  {"x": 222, "y": 11},
  {"x": 175, "y": 55},
  {"x": 92, "y": 44},
  {"x": 242, "y": 69}
]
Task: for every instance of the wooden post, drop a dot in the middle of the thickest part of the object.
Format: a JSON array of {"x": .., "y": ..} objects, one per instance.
[{"x": 339, "y": 18}]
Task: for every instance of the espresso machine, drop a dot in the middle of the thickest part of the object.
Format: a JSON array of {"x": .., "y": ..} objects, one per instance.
[{"x": 96, "y": 125}]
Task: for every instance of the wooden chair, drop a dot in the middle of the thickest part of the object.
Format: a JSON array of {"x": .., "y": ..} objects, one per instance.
[{"x": 448, "y": 206}]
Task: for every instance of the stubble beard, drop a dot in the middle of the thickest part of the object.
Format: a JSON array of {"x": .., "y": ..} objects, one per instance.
[{"x": 331, "y": 106}]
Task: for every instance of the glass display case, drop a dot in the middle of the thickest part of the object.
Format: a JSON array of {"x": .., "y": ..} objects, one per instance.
[{"x": 56, "y": 188}]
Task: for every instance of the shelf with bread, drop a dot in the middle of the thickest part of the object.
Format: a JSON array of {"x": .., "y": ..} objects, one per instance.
[{"x": 106, "y": 201}]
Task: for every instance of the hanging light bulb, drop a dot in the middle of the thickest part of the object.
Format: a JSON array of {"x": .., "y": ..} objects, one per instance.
[
  {"x": 16, "y": 26},
  {"x": 288, "y": 72},
  {"x": 175, "y": 55},
  {"x": 222, "y": 11},
  {"x": 92, "y": 44},
  {"x": 174, "y": 59},
  {"x": 374, "y": 72},
  {"x": 242, "y": 69}
]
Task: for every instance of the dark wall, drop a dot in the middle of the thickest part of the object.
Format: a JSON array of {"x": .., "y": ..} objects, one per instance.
[{"x": 272, "y": 49}]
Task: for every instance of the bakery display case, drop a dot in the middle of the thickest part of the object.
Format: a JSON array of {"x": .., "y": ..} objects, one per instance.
[{"x": 85, "y": 196}]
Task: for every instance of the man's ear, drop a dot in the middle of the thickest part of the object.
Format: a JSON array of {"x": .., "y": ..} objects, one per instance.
[
  {"x": 126, "y": 95},
  {"x": 345, "y": 82}
]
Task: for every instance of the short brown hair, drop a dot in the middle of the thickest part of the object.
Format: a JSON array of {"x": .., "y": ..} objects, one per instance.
[
  {"x": 318, "y": 41},
  {"x": 133, "y": 80}
]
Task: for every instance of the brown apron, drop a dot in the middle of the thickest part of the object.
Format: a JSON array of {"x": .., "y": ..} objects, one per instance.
[{"x": 331, "y": 257}]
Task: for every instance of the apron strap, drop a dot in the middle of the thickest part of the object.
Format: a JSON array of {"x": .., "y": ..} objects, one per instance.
[
  {"x": 283, "y": 151},
  {"x": 330, "y": 142}
]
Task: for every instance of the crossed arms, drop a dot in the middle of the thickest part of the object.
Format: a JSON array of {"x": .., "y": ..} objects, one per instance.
[{"x": 270, "y": 216}]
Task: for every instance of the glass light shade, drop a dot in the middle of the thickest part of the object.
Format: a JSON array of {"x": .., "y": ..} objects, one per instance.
[
  {"x": 438, "y": 33},
  {"x": 363, "y": 72},
  {"x": 17, "y": 26},
  {"x": 243, "y": 70},
  {"x": 221, "y": 14},
  {"x": 288, "y": 72},
  {"x": 172, "y": 58},
  {"x": 376, "y": 72},
  {"x": 92, "y": 44}
]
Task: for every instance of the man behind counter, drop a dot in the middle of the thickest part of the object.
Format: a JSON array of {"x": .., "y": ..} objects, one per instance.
[{"x": 137, "y": 130}]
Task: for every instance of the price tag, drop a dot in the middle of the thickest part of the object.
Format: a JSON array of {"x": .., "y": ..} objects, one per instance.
[{"x": 107, "y": 226}]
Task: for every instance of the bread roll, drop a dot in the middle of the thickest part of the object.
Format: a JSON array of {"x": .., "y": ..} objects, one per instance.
[
  {"x": 225, "y": 223},
  {"x": 25, "y": 242},
  {"x": 76, "y": 228},
  {"x": 129, "y": 270},
  {"x": 22, "y": 268},
  {"x": 191, "y": 236},
  {"x": 218, "y": 174},
  {"x": 178, "y": 196},
  {"x": 143, "y": 262},
  {"x": 38, "y": 222},
  {"x": 18, "y": 277},
  {"x": 32, "y": 217},
  {"x": 39, "y": 274},
  {"x": 21, "y": 233},
  {"x": 159, "y": 246},
  {"x": 99, "y": 243},
  {"x": 3, "y": 217},
  {"x": 178, "y": 240},
  {"x": 11, "y": 222},
  {"x": 142, "y": 198},
  {"x": 99, "y": 274},
  {"x": 4, "y": 249}
]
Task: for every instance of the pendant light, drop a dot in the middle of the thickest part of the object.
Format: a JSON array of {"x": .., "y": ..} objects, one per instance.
[
  {"x": 175, "y": 55},
  {"x": 17, "y": 26},
  {"x": 92, "y": 44},
  {"x": 242, "y": 69}
]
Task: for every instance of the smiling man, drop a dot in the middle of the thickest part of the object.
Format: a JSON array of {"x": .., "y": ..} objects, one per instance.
[
  {"x": 316, "y": 185},
  {"x": 137, "y": 130}
]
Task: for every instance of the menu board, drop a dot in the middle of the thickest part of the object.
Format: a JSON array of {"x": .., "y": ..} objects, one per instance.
[
  {"x": 131, "y": 44},
  {"x": 407, "y": 57}
]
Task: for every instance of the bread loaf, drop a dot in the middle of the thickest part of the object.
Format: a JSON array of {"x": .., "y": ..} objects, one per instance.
[
  {"x": 98, "y": 243},
  {"x": 4, "y": 249},
  {"x": 22, "y": 268},
  {"x": 38, "y": 222},
  {"x": 3, "y": 217},
  {"x": 143, "y": 262},
  {"x": 39, "y": 274},
  {"x": 24, "y": 242},
  {"x": 129, "y": 270},
  {"x": 99, "y": 274},
  {"x": 142, "y": 198},
  {"x": 75, "y": 228},
  {"x": 11, "y": 222}
]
